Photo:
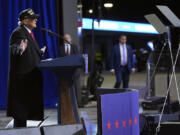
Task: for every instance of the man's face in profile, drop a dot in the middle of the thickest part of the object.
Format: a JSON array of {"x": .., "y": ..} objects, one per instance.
[
  {"x": 30, "y": 23},
  {"x": 68, "y": 38},
  {"x": 123, "y": 39}
]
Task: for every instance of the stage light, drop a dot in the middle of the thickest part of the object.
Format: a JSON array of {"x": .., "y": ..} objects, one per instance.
[
  {"x": 79, "y": 5},
  {"x": 108, "y": 25},
  {"x": 150, "y": 45},
  {"x": 108, "y": 5},
  {"x": 90, "y": 11}
]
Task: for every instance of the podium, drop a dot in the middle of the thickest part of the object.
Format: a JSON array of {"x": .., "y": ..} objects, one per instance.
[{"x": 64, "y": 69}]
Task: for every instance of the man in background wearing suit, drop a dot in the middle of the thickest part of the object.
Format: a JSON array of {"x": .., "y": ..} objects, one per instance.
[
  {"x": 25, "y": 96},
  {"x": 121, "y": 63},
  {"x": 68, "y": 49}
]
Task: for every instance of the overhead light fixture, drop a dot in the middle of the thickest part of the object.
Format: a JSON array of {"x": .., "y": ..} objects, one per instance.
[
  {"x": 108, "y": 5},
  {"x": 79, "y": 5},
  {"x": 90, "y": 11}
]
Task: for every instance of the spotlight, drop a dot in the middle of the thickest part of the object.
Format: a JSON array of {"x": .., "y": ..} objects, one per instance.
[
  {"x": 108, "y": 5},
  {"x": 79, "y": 5},
  {"x": 90, "y": 11},
  {"x": 150, "y": 45}
]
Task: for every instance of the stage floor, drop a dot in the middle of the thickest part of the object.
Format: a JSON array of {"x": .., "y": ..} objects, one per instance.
[{"x": 89, "y": 113}]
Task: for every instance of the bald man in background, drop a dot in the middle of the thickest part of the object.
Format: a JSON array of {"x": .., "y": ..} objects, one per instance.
[{"x": 68, "y": 49}]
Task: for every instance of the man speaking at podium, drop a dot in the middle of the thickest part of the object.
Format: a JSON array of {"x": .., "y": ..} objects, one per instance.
[{"x": 25, "y": 98}]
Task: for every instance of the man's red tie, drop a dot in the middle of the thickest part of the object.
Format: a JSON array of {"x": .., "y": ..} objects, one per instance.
[{"x": 32, "y": 35}]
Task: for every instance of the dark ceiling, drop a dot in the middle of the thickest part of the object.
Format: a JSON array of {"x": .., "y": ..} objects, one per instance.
[{"x": 129, "y": 10}]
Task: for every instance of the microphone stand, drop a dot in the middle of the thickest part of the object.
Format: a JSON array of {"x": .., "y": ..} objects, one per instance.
[{"x": 50, "y": 33}]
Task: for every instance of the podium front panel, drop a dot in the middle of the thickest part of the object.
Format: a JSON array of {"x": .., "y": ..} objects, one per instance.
[
  {"x": 108, "y": 91},
  {"x": 120, "y": 113}
]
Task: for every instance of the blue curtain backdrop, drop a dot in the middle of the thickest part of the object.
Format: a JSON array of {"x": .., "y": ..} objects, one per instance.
[{"x": 9, "y": 17}]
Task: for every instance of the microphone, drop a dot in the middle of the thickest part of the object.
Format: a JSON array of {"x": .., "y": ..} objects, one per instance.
[{"x": 48, "y": 31}]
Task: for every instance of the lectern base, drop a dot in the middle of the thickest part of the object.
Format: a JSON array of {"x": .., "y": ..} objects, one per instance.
[{"x": 68, "y": 112}]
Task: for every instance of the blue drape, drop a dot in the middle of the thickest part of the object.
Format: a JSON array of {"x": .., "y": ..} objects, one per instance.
[{"x": 9, "y": 17}]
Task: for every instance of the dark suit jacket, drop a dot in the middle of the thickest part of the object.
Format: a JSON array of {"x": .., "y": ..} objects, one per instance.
[
  {"x": 116, "y": 60},
  {"x": 25, "y": 98},
  {"x": 61, "y": 50},
  {"x": 31, "y": 56}
]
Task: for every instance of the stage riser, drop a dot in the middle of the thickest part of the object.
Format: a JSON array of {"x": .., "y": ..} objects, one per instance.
[
  {"x": 75, "y": 129},
  {"x": 21, "y": 131}
]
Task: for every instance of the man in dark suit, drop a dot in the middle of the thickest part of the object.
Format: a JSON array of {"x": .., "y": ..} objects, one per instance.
[
  {"x": 122, "y": 62},
  {"x": 25, "y": 98},
  {"x": 68, "y": 49}
]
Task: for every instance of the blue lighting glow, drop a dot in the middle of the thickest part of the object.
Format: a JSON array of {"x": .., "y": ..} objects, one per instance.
[
  {"x": 108, "y": 25},
  {"x": 151, "y": 45}
]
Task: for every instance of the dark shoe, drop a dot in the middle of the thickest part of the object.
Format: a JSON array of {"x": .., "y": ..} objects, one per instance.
[{"x": 19, "y": 123}]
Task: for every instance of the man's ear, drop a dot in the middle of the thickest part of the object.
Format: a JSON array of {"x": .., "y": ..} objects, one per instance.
[{"x": 25, "y": 21}]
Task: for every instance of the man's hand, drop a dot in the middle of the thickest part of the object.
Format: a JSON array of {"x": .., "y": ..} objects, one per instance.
[
  {"x": 43, "y": 49},
  {"x": 133, "y": 70},
  {"x": 23, "y": 45},
  {"x": 113, "y": 71}
]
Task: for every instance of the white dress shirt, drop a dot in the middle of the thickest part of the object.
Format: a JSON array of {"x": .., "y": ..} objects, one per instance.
[
  {"x": 67, "y": 46},
  {"x": 123, "y": 54},
  {"x": 27, "y": 29}
]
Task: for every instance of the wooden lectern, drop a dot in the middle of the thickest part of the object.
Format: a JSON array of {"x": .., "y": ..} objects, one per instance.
[{"x": 64, "y": 69}]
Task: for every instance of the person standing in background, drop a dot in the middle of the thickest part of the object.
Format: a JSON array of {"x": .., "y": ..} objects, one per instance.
[
  {"x": 68, "y": 49},
  {"x": 121, "y": 63},
  {"x": 25, "y": 85}
]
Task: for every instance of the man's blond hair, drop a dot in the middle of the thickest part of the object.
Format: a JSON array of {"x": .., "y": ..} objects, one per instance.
[{"x": 21, "y": 22}]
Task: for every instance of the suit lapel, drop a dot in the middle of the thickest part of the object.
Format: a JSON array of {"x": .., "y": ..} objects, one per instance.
[
  {"x": 118, "y": 52},
  {"x": 64, "y": 53},
  {"x": 128, "y": 54},
  {"x": 127, "y": 47},
  {"x": 71, "y": 50},
  {"x": 27, "y": 34},
  {"x": 62, "y": 50}
]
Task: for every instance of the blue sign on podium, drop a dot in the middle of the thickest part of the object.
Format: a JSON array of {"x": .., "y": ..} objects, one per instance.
[{"x": 120, "y": 113}]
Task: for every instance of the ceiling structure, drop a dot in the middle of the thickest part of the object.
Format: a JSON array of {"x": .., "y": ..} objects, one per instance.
[{"x": 128, "y": 10}]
